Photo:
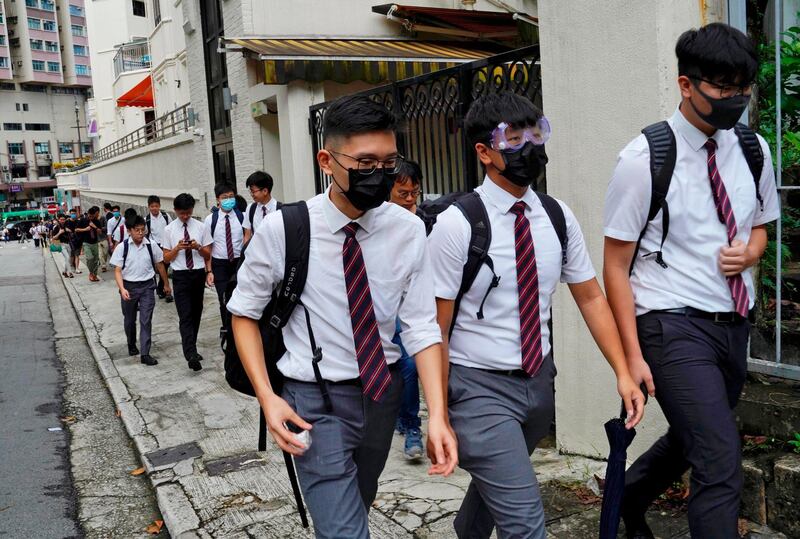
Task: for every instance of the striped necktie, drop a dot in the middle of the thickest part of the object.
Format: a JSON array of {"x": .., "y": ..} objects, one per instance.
[
  {"x": 372, "y": 369},
  {"x": 530, "y": 327},
  {"x": 741, "y": 300},
  {"x": 189, "y": 253},
  {"x": 228, "y": 237}
]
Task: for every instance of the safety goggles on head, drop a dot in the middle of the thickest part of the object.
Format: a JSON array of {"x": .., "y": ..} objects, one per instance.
[{"x": 509, "y": 138}]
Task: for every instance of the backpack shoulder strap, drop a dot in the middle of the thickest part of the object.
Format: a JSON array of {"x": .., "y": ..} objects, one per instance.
[
  {"x": 150, "y": 250},
  {"x": 239, "y": 215},
  {"x": 278, "y": 204},
  {"x": 556, "y": 214},
  {"x": 663, "y": 154},
  {"x": 165, "y": 216},
  {"x": 124, "y": 253},
  {"x": 753, "y": 154},
  {"x": 214, "y": 219},
  {"x": 147, "y": 222},
  {"x": 251, "y": 213},
  {"x": 298, "y": 240},
  {"x": 480, "y": 239}
]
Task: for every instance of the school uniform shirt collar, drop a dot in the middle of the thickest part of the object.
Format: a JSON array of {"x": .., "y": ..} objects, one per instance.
[
  {"x": 502, "y": 199},
  {"x": 695, "y": 138},
  {"x": 337, "y": 220}
]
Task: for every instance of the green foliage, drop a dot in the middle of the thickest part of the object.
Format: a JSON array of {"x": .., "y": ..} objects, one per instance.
[{"x": 795, "y": 443}]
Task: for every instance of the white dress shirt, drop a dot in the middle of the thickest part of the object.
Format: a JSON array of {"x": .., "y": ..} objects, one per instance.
[
  {"x": 138, "y": 266},
  {"x": 220, "y": 248},
  {"x": 173, "y": 234},
  {"x": 494, "y": 342},
  {"x": 395, "y": 254},
  {"x": 691, "y": 252},
  {"x": 271, "y": 206},
  {"x": 158, "y": 223},
  {"x": 111, "y": 224}
]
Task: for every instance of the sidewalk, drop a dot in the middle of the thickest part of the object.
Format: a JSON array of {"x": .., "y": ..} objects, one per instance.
[{"x": 197, "y": 439}]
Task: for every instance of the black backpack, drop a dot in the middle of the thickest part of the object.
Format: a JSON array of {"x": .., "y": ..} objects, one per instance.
[
  {"x": 147, "y": 221},
  {"x": 215, "y": 218},
  {"x": 125, "y": 253},
  {"x": 285, "y": 298},
  {"x": 663, "y": 154},
  {"x": 474, "y": 211},
  {"x": 251, "y": 213}
]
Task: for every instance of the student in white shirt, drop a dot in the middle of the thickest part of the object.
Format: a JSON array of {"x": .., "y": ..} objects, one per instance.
[
  {"x": 136, "y": 260},
  {"x": 260, "y": 185},
  {"x": 224, "y": 225},
  {"x": 115, "y": 228},
  {"x": 355, "y": 237},
  {"x": 187, "y": 248},
  {"x": 501, "y": 379},
  {"x": 157, "y": 220},
  {"x": 682, "y": 303}
]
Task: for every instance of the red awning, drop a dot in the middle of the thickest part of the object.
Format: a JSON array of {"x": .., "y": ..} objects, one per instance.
[
  {"x": 487, "y": 24},
  {"x": 140, "y": 95}
]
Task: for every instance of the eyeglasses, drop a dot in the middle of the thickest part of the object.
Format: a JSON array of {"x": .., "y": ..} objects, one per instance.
[
  {"x": 367, "y": 165},
  {"x": 726, "y": 90},
  {"x": 409, "y": 194},
  {"x": 253, "y": 191}
]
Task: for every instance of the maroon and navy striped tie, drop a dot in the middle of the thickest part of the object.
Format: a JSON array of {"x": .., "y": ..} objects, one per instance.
[
  {"x": 228, "y": 238},
  {"x": 741, "y": 300},
  {"x": 188, "y": 252},
  {"x": 372, "y": 370},
  {"x": 530, "y": 326}
]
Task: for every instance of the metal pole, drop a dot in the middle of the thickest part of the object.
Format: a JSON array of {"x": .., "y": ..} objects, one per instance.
[
  {"x": 78, "y": 127},
  {"x": 778, "y": 180}
]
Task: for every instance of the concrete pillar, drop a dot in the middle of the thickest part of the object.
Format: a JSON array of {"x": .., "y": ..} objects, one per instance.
[
  {"x": 297, "y": 165},
  {"x": 608, "y": 70}
]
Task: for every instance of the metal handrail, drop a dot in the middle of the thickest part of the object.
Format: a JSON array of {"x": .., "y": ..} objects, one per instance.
[
  {"x": 166, "y": 126},
  {"x": 131, "y": 57}
]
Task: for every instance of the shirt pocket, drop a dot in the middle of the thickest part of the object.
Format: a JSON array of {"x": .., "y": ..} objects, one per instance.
[
  {"x": 386, "y": 296},
  {"x": 744, "y": 201}
]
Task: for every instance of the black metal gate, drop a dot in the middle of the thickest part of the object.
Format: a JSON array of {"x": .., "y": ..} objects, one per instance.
[{"x": 432, "y": 109}]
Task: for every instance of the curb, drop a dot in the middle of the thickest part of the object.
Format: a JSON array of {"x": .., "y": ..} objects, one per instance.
[{"x": 180, "y": 518}]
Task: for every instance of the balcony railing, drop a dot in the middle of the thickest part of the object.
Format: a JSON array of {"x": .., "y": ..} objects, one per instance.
[
  {"x": 171, "y": 124},
  {"x": 131, "y": 57}
]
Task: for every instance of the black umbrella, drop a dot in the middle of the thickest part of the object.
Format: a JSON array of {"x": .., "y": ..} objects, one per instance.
[{"x": 619, "y": 439}]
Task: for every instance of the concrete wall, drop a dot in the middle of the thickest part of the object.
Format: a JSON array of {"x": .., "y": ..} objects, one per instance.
[
  {"x": 608, "y": 69},
  {"x": 168, "y": 57}
]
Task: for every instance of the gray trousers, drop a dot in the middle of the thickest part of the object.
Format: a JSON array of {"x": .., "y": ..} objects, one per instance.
[
  {"x": 339, "y": 473},
  {"x": 498, "y": 421},
  {"x": 66, "y": 252},
  {"x": 142, "y": 302}
]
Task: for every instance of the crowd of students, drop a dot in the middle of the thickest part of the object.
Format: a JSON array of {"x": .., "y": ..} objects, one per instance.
[{"x": 390, "y": 307}]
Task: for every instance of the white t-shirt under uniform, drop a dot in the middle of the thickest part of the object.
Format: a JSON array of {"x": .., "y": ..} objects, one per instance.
[
  {"x": 173, "y": 234},
  {"x": 494, "y": 342},
  {"x": 138, "y": 265},
  {"x": 693, "y": 277},
  {"x": 220, "y": 248}
]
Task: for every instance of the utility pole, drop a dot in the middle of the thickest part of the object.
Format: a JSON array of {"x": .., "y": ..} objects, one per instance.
[{"x": 78, "y": 127}]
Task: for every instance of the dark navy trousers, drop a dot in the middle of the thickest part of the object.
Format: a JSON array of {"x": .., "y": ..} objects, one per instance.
[{"x": 699, "y": 369}]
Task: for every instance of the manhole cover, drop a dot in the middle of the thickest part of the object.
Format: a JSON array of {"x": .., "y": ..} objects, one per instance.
[
  {"x": 231, "y": 464},
  {"x": 171, "y": 455}
]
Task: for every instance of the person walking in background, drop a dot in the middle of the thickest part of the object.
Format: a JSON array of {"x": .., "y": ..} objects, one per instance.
[
  {"x": 44, "y": 233},
  {"x": 89, "y": 229},
  {"x": 187, "y": 247},
  {"x": 136, "y": 261},
  {"x": 77, "y": 243},
  {"x": 36, "y": 235},
  {"x": 405, "y": 193},
  {"x": 157, "y": 220},
  {"x": 63, "y": 234},
  {"x": 102, "y": 240},
  {"x": 260, "y": 184},
  {"x": 224, "y": 226},
  {"x": 113, "y": 227}
]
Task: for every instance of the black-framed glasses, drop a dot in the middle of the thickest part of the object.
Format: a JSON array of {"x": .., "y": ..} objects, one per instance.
[
  {"x": 406, "y": 194},
  {"x": 726, "y": 90},
  {"x": 368, "y": 165}
]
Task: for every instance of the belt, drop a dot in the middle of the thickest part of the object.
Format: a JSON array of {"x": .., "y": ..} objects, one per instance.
[
  {"x": 189, "y": 270},
  {"x": 350, "y": 382},
  {"x": 516, "y": 373},
  {"x": 717, "y": 318}
]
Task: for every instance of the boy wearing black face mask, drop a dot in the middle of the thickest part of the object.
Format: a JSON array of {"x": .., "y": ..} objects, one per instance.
[
  {"x": 684, "y": 313},
  {"x": 501, "y": 389},
  {"x": 357, "y": 287}
]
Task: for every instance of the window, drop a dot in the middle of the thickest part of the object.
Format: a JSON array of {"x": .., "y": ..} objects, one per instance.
[
  {"x": 2, "y": 19},
  {"x": 12, "y": 127},
  {"x": 32, "y": 3},
  {"x": 64, "y": 147},
  {"x": 53, "y": 67},
  {"x": 37, "y": 44},
  {"x": 138, "y": 8},
  {"x": 24, "y": 107},
  {"x": 83, "y": 70},
  {"x": 15, "y": 148},
  {"x": 34, "y": 24},
  {"x": 37, "y": 127},
  {"x": 67, "y": 91},
  {"x": 75, "y": 11},
  {"x": 80, "y": 50},
  {"x": 18, "y": 107},
  {"x": 3, "y": 41},
  {"x": 45, "y": 170},
  {"x": 38, "y": 88},
  {"x": 51, "y": 46},
  {"x": 87, "y": 148},
  {"x": 47, "y": 5},
  {"x": 3, "y": 61},
  {"x": 7, "y": 86},
  {"x": 41, "y": 147},
  {"x": 49, "y": 25},
  {"x": 38, "y": 65},
  {"x": 156, "y": 11},
  {"x": 77, "y": 30}
]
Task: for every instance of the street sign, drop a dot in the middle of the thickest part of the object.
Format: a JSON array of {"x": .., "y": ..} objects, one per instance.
[{"x": 15, "y": 188}]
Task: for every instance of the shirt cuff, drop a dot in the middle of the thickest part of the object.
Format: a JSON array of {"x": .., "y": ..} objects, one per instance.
[
  {"x": 579, "y": 278},
  {"x": 621, "y": 235},
  {"x": 445, "y": 293},
  {"x": 419, "y": 338},
  {"x": 764, "y": 219},
  {"x": 241, "y": 305}
]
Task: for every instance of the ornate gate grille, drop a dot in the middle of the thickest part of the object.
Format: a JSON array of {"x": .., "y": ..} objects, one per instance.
[{"x": 432, "y": 109}]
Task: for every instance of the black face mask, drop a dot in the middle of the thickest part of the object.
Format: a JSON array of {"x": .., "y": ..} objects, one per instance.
[
  {"x": 725, "y": 111},
  {"x": 525, "y": 165},
  {"x": 368, "y": 191}
]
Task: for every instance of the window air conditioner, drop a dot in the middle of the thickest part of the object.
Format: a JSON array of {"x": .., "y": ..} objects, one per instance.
[{"x": 19, "y": 63}]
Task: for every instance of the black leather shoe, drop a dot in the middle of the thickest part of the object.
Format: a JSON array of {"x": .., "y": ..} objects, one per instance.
[
  {"x": 149, "y": 360},
  {"x": 195, "y": 365},
  {"x": 133, "y": 351},
  {"x": 198, "y": 357},
  {"x": 169, "y": 299}
]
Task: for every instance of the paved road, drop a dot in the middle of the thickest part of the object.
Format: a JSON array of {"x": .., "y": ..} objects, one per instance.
[{"x": 37, "y": 497}]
